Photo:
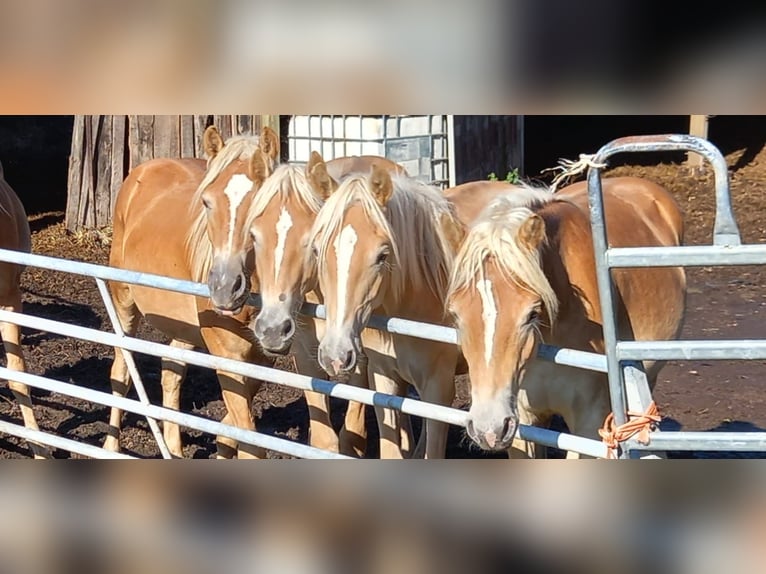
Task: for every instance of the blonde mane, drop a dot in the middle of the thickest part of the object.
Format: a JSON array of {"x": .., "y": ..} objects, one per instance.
[
  {"x": 198, "y": 244},
  {"x": 495, "y": 234},
  {"x": 411, "y": 222},
  {"x": 287, "y": 179}
]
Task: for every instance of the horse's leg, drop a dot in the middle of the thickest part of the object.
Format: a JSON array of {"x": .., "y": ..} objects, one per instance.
[
  {"x": 353, "y": 435},
  {"x": 321, "y": 433},
  {"x": 11, "y": 335},
  {"x": 389, "y": 423},
  {"x": 587, "y": 422},
  {"x": 237, "y": 394},
  {"x": 173, "y": 373},
  {"x": 129, "y": 316},
  {"x": 438, "y": 389},
  {"x": 237, "y": 390},
  {"x": 226, "y": 448},
  {"x": 407, "y": 436}
]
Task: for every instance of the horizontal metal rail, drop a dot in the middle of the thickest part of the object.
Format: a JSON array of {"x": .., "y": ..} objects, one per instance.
[
  {"x": 703, "y": 440},
  {"x": 691, "y": 350},
  {"x": 406, "y": 405},
  {"x": 429, "y": 331},
  {"x": 59, "y": 442},
  {"x": 686, "y": 256},
  {"x": 162, "y": 413}
]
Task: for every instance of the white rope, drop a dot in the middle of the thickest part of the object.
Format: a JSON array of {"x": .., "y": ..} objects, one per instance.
[{"x": 570, "y": 168}]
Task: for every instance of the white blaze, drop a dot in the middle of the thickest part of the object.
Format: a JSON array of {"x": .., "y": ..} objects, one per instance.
[
  {"x": 284, "y": 224},
  {"x": 344, "y": 248},
  {"x": 488, "y": 315},
  {"x": 238, "y": 187}
]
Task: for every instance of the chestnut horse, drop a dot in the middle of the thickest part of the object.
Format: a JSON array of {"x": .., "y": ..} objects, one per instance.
[
  {"x": 176, "y": 218},
  {"x": 381, "y": 244},
  {"x": 280, "y": 220},
  {"x": 14, "y": 234},
  {"x": 525, "y": 274}
]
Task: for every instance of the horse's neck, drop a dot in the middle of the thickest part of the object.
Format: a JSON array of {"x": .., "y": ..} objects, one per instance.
[
  {"x": 569, "y": 266},
  {"x": 416, "y": 303}
]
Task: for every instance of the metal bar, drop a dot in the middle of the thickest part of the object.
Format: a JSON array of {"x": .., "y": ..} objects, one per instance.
[
  {"x": 694, "y": 440},
  {"x": 725, "y": 231},
  {"x": 606, "y": 295},
  {"x": 690, "y": 350},
  {"x": 686, "y": 256},
  {"x": 348, "y": 392},
  {"x": 132, "y": 369},
  {"x": 183, "y": 419},
  {"x": 104, "y": 272},
  {"x": 430, "y": 331},
  {"x": 444, "y": 334},
  {"x": 563, "y": 441},
  {"x": 59, "y": 442},
  {"x": 451, "y": 164}
]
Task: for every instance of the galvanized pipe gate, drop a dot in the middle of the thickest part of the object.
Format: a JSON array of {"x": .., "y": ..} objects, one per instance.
[{"x": 628, "y": 386}]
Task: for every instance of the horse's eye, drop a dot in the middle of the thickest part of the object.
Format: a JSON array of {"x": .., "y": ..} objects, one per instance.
[
  {"x": 382, "y": 257},
  {"x": 534, "y": 316},
  {"x": 314, "y": 251}
]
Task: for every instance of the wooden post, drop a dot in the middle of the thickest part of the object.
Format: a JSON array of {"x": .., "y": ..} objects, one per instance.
[{"x": 698, "y": 126}]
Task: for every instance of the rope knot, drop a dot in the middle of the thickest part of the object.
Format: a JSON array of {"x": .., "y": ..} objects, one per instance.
[
  {"x": 638, "y": 424},
  {"x": 570, "y": 168}
]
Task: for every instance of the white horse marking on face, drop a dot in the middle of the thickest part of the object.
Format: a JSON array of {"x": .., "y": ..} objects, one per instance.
[
  {"x": 238, "y": 187},
  {"x": 488, "y": 315},
  {"x": 344, "y": 249},
  {"x": 284, "y": 224}
]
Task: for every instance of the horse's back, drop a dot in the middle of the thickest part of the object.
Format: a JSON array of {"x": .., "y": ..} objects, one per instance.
[
  {"x": 342, "y": 167},
  {"x": 472, "y": 197},
  {"x": 14, "y": 234},
  {"x": 631, "y": 198},
  {"x": 639, "y": 213},
  {"x": 152, "y": 219},
  {"x": 14, "y": 229}
]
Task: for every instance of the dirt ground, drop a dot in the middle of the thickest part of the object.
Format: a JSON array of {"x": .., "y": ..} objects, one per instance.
[{"x": 722, "y": 303}]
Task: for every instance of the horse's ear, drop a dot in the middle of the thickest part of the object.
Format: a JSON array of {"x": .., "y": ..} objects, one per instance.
[
  {"x": 532, "y": 232},
  {"x": 212, "y": 142},
  {"x": 381, "y": 184},
  {"x": 269, "y": 143},
  {"x": 259, "y": 168},
  {"x": 453, "y": 229},
  {"x": 320, "y": 180}
]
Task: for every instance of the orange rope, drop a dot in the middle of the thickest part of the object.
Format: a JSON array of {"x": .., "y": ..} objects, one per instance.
[{"x": 638, "y": 424}]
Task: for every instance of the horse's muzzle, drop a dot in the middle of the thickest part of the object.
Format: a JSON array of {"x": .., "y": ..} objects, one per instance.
[{"x": 229, "y": 288}]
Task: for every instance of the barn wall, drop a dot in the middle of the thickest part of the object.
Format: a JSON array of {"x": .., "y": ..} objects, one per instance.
[
  {"x": 105, "y": 148},
  {"x": 487, "y": 144}
]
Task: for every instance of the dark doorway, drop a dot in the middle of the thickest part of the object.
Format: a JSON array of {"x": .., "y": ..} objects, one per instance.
[{"x": 34, "y": 151}]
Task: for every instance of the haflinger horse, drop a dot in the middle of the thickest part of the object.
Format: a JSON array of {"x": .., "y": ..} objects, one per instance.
[
  {"x": 380, "y": 245},
  {"x": 184, "y": 218},
  {"x": 280, "y": 221},
  {"x": 525, "y": 274},
  {"x": 15, "y": 235}
]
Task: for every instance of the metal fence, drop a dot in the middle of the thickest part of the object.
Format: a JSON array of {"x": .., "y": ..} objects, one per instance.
[
  {"x": 142, "y": 407},
  {"x": 627, "y": 383},
  {"x": 628, "y": 386},
  {"x": 423, "y": 144}
]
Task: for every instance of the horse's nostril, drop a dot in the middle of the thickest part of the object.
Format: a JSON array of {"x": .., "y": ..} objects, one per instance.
[
  {"x": 470, "y": 428},
  {"x": 350, "y": 358},
  {"x": 508, "y": 428},
  {"x": 238, "y": 283},
  {"x": 287, "y": 329}
]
